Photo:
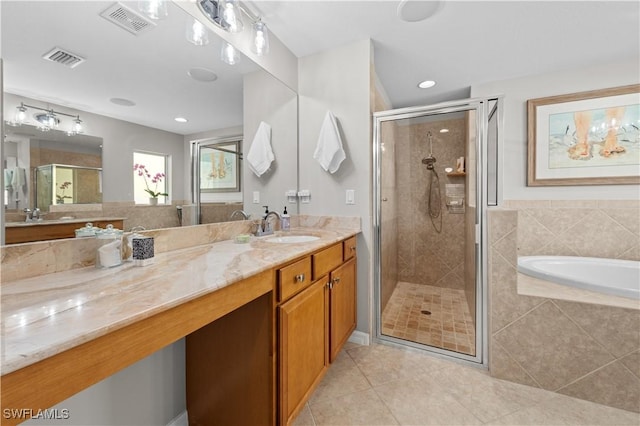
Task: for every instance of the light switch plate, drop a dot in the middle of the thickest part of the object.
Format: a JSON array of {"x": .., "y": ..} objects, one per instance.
[
  {"x": 351, "y": 196},
  {"x": 256, "y": 197}
]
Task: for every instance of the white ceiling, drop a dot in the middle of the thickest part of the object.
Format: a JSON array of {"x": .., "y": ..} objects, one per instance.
[{"x": 464, "y": 42}]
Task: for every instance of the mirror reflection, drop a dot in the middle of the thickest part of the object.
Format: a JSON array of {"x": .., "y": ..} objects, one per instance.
[{"x": 152, "y": 92}]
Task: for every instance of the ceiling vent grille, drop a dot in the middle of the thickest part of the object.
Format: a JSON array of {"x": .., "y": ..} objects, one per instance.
[
  {"x": 63, "y": 57},
  {"x": 127, "y": 19}
]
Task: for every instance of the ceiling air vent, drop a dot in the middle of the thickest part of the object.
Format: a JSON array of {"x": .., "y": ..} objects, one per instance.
[
  {"x": 63, "y": 57},
  {"x": 127, "y": 19}
]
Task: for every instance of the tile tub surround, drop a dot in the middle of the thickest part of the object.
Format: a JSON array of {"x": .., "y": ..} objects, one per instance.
[
  {"x": 583, "y": 350},
  {"x": 88, "y": 303}
]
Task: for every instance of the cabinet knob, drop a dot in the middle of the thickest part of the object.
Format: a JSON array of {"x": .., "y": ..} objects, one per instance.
[
  {"x": 352, "y": 248},
  {"x": 330, "y": 285},
  {"x": 336, "y": 280},
  {"x": 299, "y": 278}
]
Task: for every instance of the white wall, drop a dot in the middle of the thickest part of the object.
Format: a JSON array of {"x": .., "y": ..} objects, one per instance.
[
  {"x": 267, "y": 99},
  {"x": 339, "y": 81},
  {"x": 514, "y": 150},
  {"x": 120, "y": 139}
]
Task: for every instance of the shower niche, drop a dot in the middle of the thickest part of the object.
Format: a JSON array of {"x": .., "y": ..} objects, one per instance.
[{"x": 57, "y": 184}]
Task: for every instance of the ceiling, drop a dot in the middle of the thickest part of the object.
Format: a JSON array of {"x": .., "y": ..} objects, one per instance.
[{"x": 464, "y": 42}]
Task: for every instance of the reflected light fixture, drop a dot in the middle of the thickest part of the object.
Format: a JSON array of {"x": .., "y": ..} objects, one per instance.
[
  {"x": 197, "y": 33},
  {"x": 444, "y": 130},
  {"x": 181, "y": 119},
  {"x": 260, "y": 44},
  {"x": 154, "y": 9},
  {"x": 229, "y": 54},
  {"x": 47, "y": 120}
]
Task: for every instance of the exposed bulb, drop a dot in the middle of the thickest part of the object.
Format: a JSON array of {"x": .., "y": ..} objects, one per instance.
[
  {"x": 76, "y": 128},
  {"x": 229, "y": 54},
  {"x": 21, "y": 115},
  {"x": 197, "y": 33},
  {"x": 260, "y": 38},
  {"x": 231, "y": 16}
]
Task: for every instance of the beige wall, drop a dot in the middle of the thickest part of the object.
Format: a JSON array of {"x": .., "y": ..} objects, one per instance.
[{"x": 586, "y": 351}]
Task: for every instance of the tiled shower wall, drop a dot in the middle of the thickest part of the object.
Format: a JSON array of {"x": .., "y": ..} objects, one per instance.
[
  {"x": 583, "y": 350},
  {"x": 425, "y": 256}
]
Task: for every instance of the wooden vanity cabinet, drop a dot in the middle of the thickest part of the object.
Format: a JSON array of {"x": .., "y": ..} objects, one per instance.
[{"x": 313, "y": 323}]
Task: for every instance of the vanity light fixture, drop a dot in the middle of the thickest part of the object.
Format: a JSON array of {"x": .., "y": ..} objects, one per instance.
[
  {"x": 154, "y": 9},
  {"x": 426, "y": 84},
  {"x": 227, "y": 14},
  {"x": 47, "y": 120}
]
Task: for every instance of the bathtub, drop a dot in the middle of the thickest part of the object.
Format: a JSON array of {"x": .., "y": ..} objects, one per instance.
[{"x": 609, "y": 276}]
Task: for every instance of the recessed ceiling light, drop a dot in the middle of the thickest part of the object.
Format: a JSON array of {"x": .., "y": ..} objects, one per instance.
[
  {"x": 444, "y": 130},
  {"x": 122, "y": 102},
  {"x": 426, "y": 84},
  {"x": 202, "y": 74},
  {"x": 181, "y": 119}
]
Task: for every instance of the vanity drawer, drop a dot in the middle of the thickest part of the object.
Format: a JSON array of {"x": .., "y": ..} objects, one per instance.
[
  {"x": 327, "y": 260},
  {"x": 349, "y": 249},
  {"x": 294, "y": 278}
]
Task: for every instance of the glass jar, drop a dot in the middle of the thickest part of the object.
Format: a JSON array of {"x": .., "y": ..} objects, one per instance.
[{"x": 108, "y": 253}]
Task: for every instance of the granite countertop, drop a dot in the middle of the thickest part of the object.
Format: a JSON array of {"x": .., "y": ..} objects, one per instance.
[
  {"x": 58, "y": 221},
  {"x": 45, "y": 315}
]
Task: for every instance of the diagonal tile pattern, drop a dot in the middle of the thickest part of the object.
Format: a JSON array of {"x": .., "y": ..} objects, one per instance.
[{"x": 410, "y": 387}]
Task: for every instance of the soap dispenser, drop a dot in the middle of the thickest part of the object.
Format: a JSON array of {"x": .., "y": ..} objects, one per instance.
[{"x": 285, "y": 220}]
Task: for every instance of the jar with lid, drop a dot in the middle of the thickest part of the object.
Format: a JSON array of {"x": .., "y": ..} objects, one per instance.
[
  {"x": 109, "y": 245},
  {"x": 87, "y": 231}
]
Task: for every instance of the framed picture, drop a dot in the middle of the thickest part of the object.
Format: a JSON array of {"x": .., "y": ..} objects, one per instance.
[
  {"x": 220, "y": 167},
  {"x": 587, "y": 138}
]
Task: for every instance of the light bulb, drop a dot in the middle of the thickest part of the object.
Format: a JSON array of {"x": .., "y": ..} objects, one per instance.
[
  {"x": 21, "y": 115},
  {"x": 154, "y": 9},
  {"x": 260, "y": 38},
  {"x": 229, "y": 54},
  {"x": 76, "y": 128},
  {"x": 231, "y": 16},
  {"x": 197, "y": 33}
]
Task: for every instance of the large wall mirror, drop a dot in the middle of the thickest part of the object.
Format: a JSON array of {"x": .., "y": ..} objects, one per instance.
[{"x": 129, "y": 80}]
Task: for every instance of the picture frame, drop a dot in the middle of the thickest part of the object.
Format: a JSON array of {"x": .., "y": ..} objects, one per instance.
[
  {"x": 585, "y": 138},
  {"x": 220, "y": 167}
]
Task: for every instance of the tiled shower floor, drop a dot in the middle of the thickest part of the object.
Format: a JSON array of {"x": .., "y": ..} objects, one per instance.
[{"x": 449, "y": 324}]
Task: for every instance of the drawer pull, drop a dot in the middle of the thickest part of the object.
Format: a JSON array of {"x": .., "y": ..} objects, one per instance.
[
  {"x": 336, "y": 280},
  {"x": 353, "y": 248},
  {"x": 299, "y": 278}
]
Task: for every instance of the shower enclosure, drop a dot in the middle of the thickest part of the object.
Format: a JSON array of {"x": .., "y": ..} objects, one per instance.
[{"x": 435, "y": 172}]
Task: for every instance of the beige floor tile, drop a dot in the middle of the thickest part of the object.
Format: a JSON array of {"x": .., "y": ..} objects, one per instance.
[
  {"x": 360, "y": 408},
  {"x": 424, "y": 402},
  {"x": 343, "y": 378},
  {"x": 305, "y": 418}
]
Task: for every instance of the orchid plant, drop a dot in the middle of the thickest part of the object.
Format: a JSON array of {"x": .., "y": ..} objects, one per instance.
[
  {"x": 155, "y": 180},
  {"x": 61, "y": 196}
]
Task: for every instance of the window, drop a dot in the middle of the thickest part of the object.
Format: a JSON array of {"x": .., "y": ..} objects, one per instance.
[{"x": 150, "y": 177}]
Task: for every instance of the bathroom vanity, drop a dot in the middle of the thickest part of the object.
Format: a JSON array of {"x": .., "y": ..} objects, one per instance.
[{"x": 254, "y": 315}]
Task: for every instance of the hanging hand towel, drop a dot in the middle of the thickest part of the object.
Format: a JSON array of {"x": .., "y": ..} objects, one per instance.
[
  {"x": 329, "y": 152},
  {"x": 260, "y": 154},
  {"x": 8, "y": 179},
  {"x": 19, "y": 178}
]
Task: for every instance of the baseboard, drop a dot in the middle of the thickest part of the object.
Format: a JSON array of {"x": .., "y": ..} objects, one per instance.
[
  {"x": 180, "y": 420},
  {"x": 359, "y": 338}
]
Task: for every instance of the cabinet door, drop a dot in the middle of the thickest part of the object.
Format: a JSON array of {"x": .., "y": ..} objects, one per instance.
[
  {"x": 342, "y": 306},
  {"x": 303, "y": 338}
]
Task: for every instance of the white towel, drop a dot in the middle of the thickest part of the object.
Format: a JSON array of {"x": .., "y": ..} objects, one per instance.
[
  {"x": 329, "y": 152},
  {"x": 260, "y": 154},
  {"x": 19, "y": 178}
]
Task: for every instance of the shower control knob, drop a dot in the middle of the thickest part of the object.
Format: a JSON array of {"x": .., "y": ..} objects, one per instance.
[{"x": 385, "y": 199}]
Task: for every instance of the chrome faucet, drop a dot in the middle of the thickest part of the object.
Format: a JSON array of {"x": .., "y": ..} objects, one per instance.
[
  {"x": 242, "y": 213},
  {"x": 29, "y": 217},
  {"x": 35, "y": 214},
  {"x": 266, "y": 226}
]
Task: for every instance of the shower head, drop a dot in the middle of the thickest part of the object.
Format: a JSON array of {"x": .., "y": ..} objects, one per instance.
[{"x": 429, "y": 161}]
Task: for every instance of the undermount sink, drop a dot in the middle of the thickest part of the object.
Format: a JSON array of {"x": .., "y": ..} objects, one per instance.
[{"x": 287, "y": 239}]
